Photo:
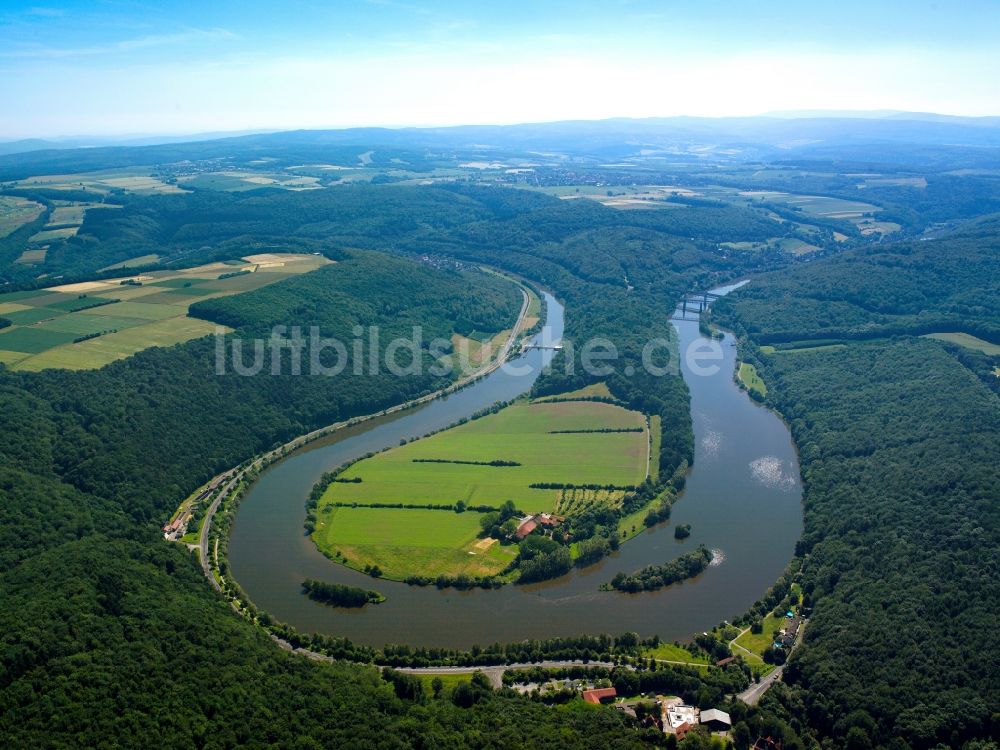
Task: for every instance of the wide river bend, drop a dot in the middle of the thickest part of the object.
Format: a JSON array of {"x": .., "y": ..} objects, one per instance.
[{"x": 742, "y": 498}]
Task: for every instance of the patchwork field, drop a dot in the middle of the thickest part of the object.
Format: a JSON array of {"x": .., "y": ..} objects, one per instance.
[
  {"x": 90, "y": 324},
  {"x": 137, "y": 180},
  {"x": 553, "y": 443}
]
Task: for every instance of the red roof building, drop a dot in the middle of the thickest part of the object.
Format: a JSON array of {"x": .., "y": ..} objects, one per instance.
[
  {"x": 526, "y": 528},
  {"x": 599, "y": 695}
]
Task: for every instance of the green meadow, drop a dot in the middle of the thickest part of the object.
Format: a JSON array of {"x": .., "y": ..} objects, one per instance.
[
  {"x": 410, "y": 541},
  {"x": 750, "y": 379},
  {"x": 414, "y": 541},
  {"x": 521, "y": 433}
]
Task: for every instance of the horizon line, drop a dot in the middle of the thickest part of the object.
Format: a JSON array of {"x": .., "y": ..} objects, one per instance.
[{"x": 806, "y": 114}]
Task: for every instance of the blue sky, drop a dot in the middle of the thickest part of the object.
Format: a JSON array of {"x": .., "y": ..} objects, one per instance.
[{"x": 123, "y": 67}]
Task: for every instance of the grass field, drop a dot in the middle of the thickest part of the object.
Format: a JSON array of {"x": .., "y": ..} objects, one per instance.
[
  {"x": 140, "y": 260},
  {"x": 599, "y": 390},
  {"x": 655, "y": 438},
  {"x": 750, "y": 379},
  {"x": 758, "y": 643},
  {"x": 962, "y": 339},
  {"x": 411, "y": 541},
  {"x": 672, "y": 652},
  {"x": 449, "y": 681},
  {"x": 47, "y": 235},
  {"x": 15, "y": 212},
  {"x": 234, "y": 181},
  {"x": 521, "y": 433},
  {"x": 46, "y": 322},
  {"x": 34, "y": 255}
]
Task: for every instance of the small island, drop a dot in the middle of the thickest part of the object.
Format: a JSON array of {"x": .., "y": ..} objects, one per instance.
[
  {"x": 654, "y": 577},
  {"x": 338, "y": 595}
]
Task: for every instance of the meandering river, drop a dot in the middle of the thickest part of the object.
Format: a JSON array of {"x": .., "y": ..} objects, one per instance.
[{"x": 742, "y": 499}]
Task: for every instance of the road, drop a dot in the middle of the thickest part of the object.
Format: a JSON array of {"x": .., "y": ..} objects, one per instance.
[
  {"x": 752, "y": 695},
  {"x": 238, "y": 475}
]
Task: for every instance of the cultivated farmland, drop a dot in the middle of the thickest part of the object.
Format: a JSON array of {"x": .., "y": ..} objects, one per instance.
[
  {"x": 568, "y": 443},
  {"x": 90, "y": 324},
  {"x": 535, "y": 436}
]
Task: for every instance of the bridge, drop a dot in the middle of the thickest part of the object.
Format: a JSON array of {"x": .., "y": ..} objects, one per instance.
[
  {"x": 553, "y": 347},
  {"x": 694, "y": 303}
]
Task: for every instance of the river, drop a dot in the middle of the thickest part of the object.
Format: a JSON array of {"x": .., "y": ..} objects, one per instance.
[{"x": 742, "y": 499}]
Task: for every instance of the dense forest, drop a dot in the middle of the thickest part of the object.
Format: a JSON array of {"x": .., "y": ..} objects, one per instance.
[
  {"x": 93, "y": 462},
  {"x": 945, "y": 285},
  {"x": 897, "y": 434},
  {"x": 898, "y": 446}
]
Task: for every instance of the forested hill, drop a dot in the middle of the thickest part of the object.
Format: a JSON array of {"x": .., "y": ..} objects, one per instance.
[
  {"x": 202, "y": 226},
  {"x": 898, "y": 446},
  {"x": 949, "y": 284},
  {"x": 111, "y": 636}
]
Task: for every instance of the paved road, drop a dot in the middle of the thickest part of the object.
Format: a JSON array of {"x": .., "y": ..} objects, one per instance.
[
  {"x": 752, "y": 695},
  {"x": 755, "y": 692}
]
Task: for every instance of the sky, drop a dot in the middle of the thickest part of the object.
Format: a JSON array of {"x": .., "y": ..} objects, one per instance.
[{"x": 116, "y": 67}]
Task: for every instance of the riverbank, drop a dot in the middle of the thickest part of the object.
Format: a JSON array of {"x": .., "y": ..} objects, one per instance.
[
  {"x": 731, "y": 510},
  {"x": 231, "y": 479}
]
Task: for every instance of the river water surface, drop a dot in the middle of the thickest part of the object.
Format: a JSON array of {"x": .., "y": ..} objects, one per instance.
[{"x": 742, "y": 499}]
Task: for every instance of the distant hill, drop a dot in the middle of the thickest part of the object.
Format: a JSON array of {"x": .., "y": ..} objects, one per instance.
[{"x": 925, "y": 137}]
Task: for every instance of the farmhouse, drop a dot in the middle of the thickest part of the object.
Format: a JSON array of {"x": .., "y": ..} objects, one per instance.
[
  {"x": 600, "y": 695},
  {"x": 528, "y": 525}
]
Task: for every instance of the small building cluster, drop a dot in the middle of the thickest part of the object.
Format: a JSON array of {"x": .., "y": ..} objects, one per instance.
[
  {"x": 174, "y": 530},
  {"x": 530, "y": 523},
  {"x": 678, "y": 718},
  {"x": 787, "y": 635}
]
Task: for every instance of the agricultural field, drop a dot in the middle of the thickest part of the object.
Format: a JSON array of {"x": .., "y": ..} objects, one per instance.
[
  {"x": 415, "y": 541},
  {"x": 968, "y": 341},
  {"x": 238, "y": 181},
  {"x": 594, "y": 390},
  {"x": 104, "y": 182},
  {"x": 522, "y": 433},
  {"x": 623, "y": 197},
  {"x": 140, "y": 260},
  {"x": 16, "y": 212},
  {"x": 411, "y": 541},
  {"x": 47, "y": 235},
  {"x": 34, "y": 255},
  {"x": 90, "y": 324}
]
